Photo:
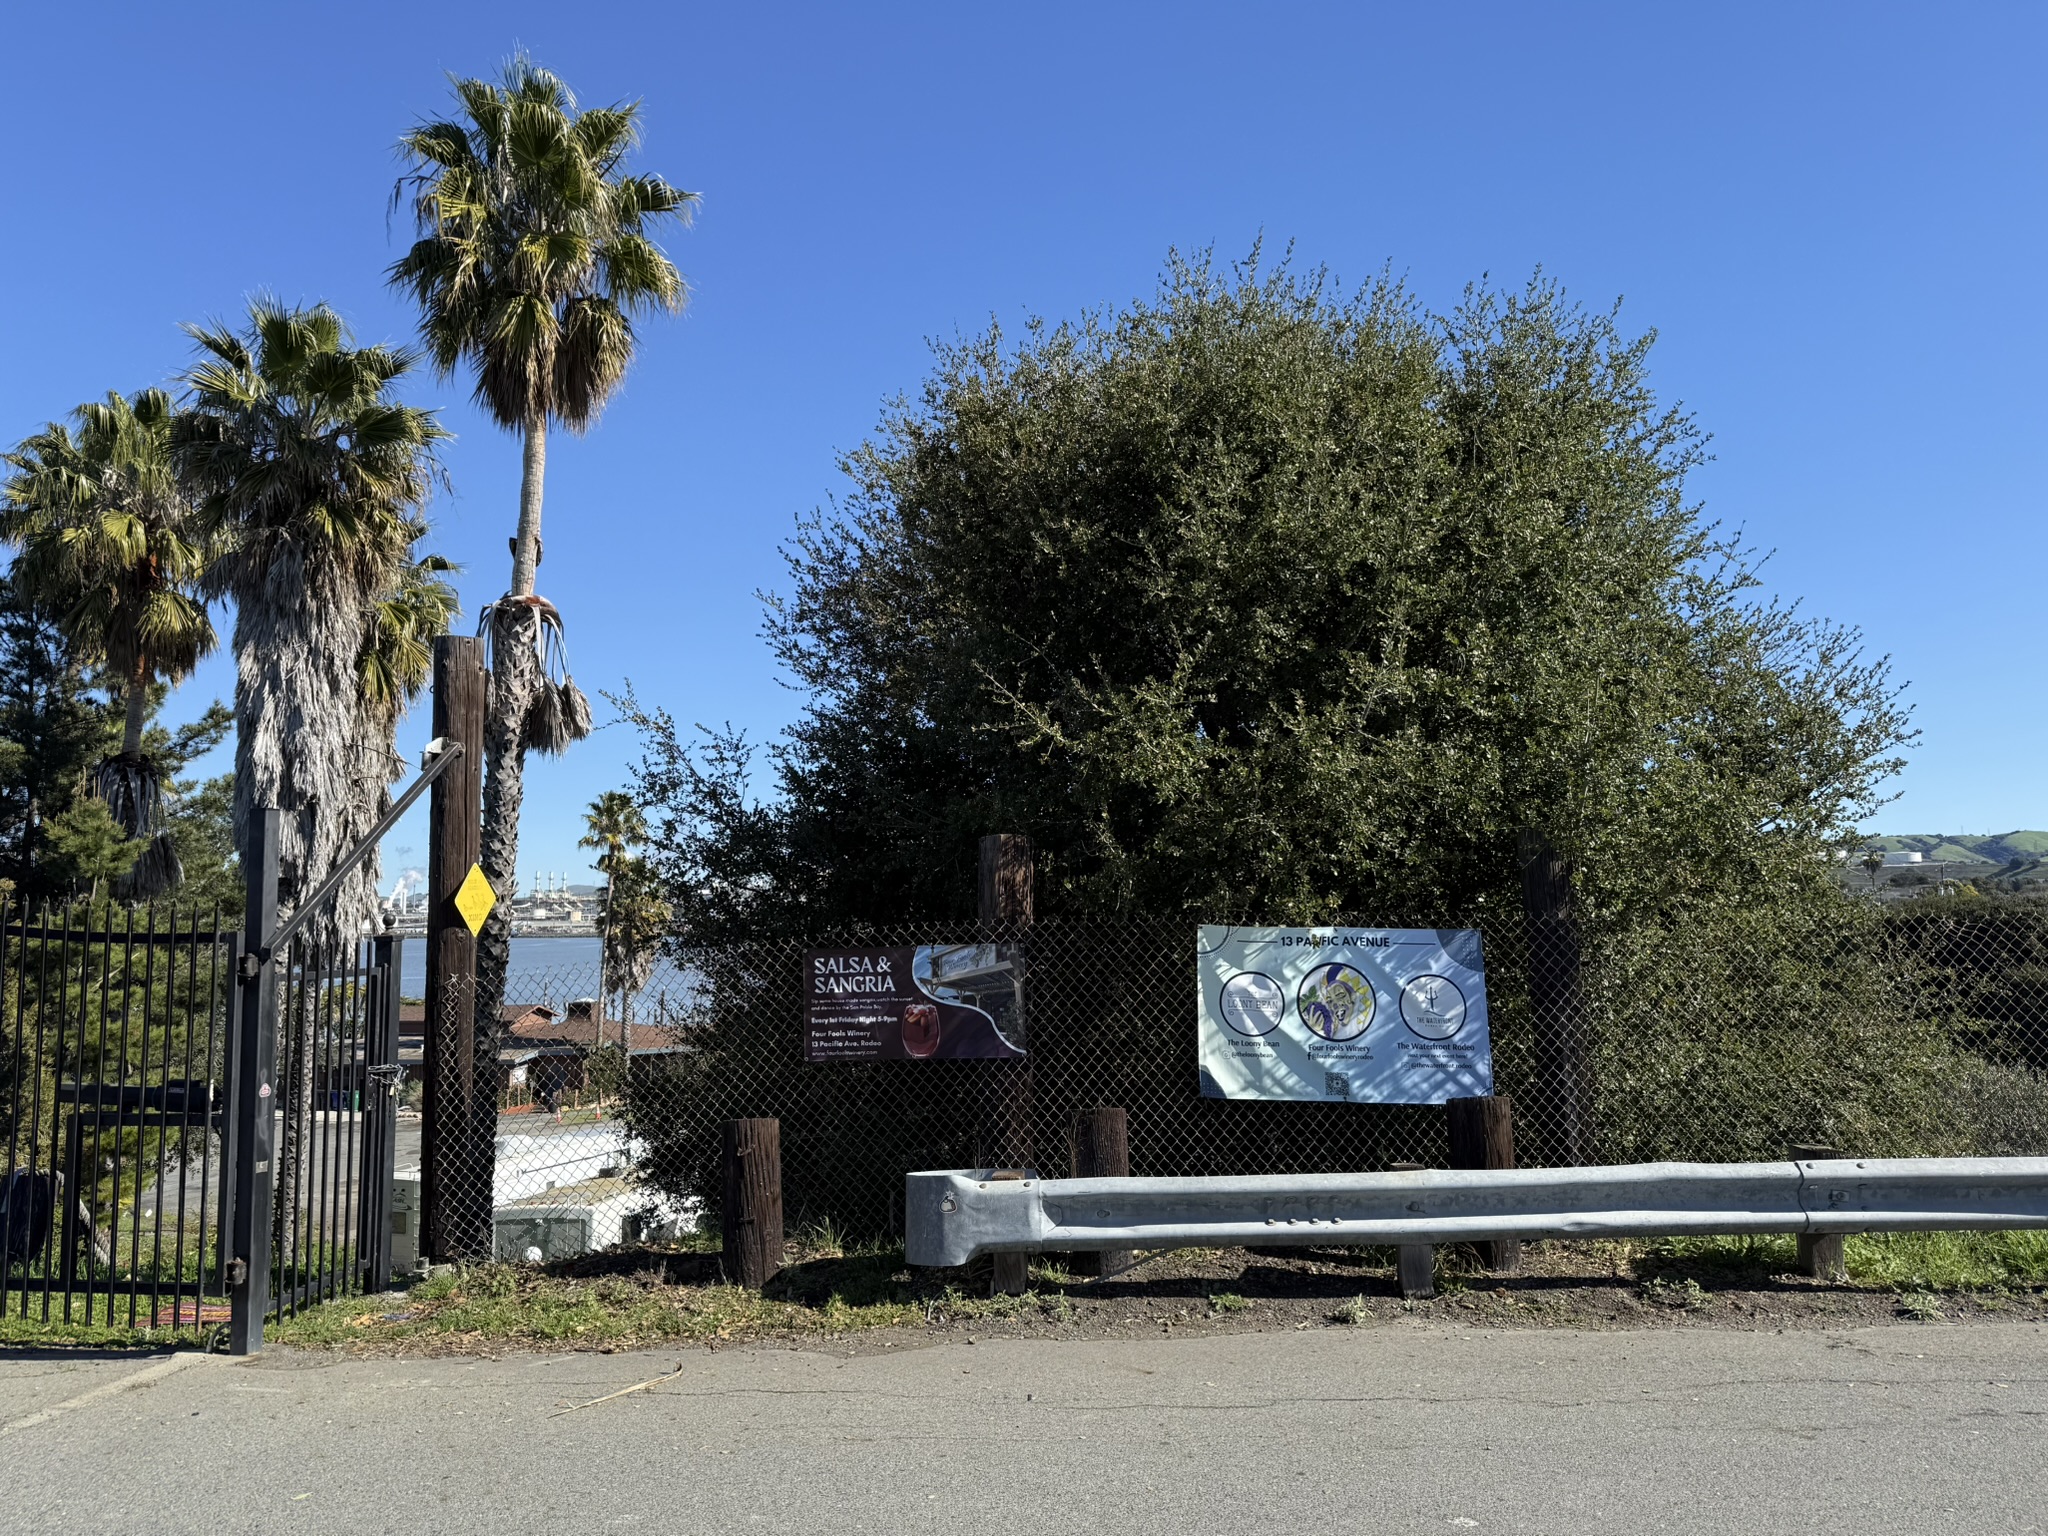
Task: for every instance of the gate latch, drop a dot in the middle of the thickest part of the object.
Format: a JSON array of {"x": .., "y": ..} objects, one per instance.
[{"x": 385, "y": 1075}]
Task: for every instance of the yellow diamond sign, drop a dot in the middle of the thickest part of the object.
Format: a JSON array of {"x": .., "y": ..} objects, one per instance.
[{"x": 475, "y": 899}]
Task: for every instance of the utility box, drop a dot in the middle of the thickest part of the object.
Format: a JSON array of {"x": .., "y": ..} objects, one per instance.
[
  {"x": 557, "y": 1231},
  {"x": 405, "y": 1226}
]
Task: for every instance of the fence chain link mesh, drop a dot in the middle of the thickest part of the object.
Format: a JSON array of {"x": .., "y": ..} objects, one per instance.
[{"x": 1920, "y": 1033}]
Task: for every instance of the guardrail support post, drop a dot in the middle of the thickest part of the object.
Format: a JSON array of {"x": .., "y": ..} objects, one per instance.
[
  {"x": 1102, "y": 1150},
  {"x": 1416, "y": 1265},
  {"x": 751, "y": 1210},
  {"x": 1483, "y": 1136},
  {"x": 1009, "y": 1273},
  {"x": 1820, "y": 1253}
]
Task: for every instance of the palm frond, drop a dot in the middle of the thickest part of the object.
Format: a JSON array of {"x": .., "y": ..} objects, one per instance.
[
  {"x": 596, "y": 346},
  {"x": 104, "y": 529},
  {"x": 397, "y": 654}
]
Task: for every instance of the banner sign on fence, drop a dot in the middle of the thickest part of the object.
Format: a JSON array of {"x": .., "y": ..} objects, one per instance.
[
  {"x": 1369, "y": 1015},
  {"x": 951, "y": 1002}
]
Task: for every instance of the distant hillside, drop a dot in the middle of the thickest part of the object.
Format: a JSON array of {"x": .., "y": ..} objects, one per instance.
[{"x": 1941, "y": 847}]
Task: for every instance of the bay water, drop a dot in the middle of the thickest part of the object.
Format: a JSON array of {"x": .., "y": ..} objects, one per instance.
[{"x": 544, "y": 970}]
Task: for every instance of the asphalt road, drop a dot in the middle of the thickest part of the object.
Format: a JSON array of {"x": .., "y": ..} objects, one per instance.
[{"x": 1401, "y": 1429}]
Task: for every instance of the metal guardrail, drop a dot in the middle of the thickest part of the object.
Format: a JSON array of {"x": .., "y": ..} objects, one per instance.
[{"x": 952, "y": 1216}]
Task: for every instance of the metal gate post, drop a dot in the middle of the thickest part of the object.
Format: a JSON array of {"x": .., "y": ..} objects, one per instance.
[
  {"x": 249, "y": 1241},
  {"x": 381, "y": 1083},
  {"x": 225, "y": 1117}
]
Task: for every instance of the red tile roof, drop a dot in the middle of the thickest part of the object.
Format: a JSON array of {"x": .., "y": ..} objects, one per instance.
[
  {"x": 542, "y": 1028},
  {"x": 412, "y": 1017}
]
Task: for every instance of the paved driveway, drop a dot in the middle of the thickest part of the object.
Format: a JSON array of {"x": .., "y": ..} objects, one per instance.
[{"x": 1387, "y": 1429}]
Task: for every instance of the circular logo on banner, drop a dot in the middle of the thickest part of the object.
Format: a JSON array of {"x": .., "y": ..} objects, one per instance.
[
  {"x": 1252, "y": 1003},
  {"x": 1432, "y": 1006},
  {"x": 1336, "y": 1002}
]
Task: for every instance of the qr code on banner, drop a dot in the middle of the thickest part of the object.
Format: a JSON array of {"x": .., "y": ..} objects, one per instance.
[{"x": 1337, "y": 1087}]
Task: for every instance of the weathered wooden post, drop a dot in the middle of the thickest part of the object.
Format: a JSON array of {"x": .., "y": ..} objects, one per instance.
[
  {"x": 1483, "y": 1136},
  {"x": 1820, "y": 1253},
  {"x": 750, "y": 1212},
  {"x": 1102, "y": 1150},
  {"x": 1005, "y": 891},
  {"x": 1006, "y": 878},
  {"x": 1415, "y": 1263},
  {"x": 1556, "y": 997},
  {"x": 459, "y": 1104}
]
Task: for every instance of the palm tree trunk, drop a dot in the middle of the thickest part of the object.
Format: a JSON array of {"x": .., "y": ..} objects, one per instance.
[
  {"x": 608, "y": 865},
  {"x": 515, "y": 679},
  {"x": 138, "y": 706},
  {"x": 299, "y": 744},
  {"x": 526, "y": 546},
  {"x": 298, "y": 747}
]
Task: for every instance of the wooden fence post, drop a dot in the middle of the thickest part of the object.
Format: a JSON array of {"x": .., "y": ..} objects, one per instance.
[
  {"x": 1102, "y": 1150},
  {"x": 1483, "y": 1136},
  {"x": 1005, "y": 896},
  {"x": 459, "y": 1106},
  {"x": 1820, "y": 1253},
  {"x": 1416, "y": 1264},
  {"x": 1556, "y": 997},
  {"x": 750, "y": 1213}
]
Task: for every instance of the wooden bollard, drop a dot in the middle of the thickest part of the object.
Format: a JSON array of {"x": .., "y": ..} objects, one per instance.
[
  {"x": 1102, "y": 1150},
  {"x": 751, "y": 1215},
  {"x": 1820, "y": 1253},
  {"x": 1483, "y": 1136},
  {"x": 1416, "y": 1266}
]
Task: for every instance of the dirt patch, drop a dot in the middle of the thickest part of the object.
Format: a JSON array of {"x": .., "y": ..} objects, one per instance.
[{"x": 1561, "y": 1285}]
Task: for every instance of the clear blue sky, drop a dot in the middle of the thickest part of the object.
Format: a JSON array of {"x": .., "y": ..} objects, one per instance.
[{"x": 1833, "y": 214}]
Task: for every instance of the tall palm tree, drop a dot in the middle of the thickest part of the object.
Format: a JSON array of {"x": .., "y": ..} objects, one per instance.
[
  {"x": 107, "y": 545},
  {"x": 613, "y": 824},
  {"x": 535, "y": 255},
  {"x": 636, "y": 919},
  {"x": 312, "y": 478}
]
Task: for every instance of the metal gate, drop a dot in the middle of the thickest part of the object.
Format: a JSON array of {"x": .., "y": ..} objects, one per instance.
[
  {"x": 335, "y": 1126},
  {"x": 200, "y": 1124},
  {"x": 313, "y": 1139},
  {"x": 314, "y": 1095}
]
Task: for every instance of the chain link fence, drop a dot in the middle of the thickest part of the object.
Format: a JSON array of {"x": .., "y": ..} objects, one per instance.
[{"x": 1919, "y": 1033}]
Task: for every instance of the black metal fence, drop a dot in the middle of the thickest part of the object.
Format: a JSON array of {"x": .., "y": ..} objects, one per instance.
[
  {"x": 1914, "y": 1033},
  {"x": 114, "y": 1052},
  {"x": 130, "y": 1119}
]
